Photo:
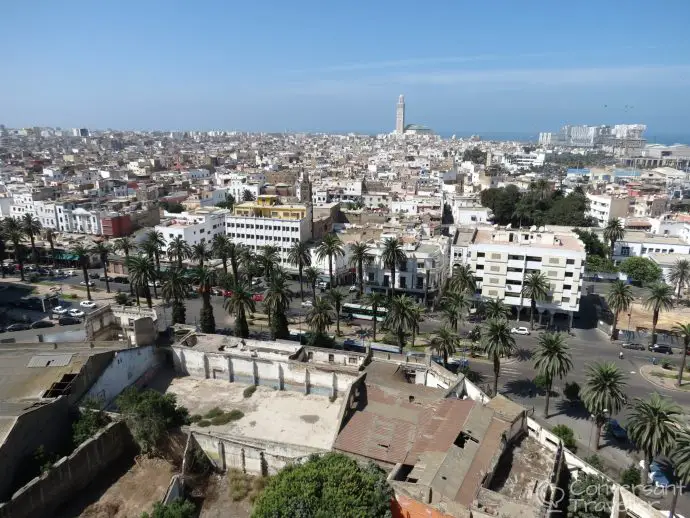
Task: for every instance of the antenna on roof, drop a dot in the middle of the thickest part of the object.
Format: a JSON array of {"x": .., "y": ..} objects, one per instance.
[
  {"x": 541, "y": 229},
  {"x": 533, "y": 228}
]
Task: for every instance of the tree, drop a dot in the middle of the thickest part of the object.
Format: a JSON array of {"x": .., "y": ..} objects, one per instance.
[
  {"x": 125, "y": 245},
  {"x": 375, "y": 300},
  {"x": 682, "y": 330},
  {"x": 156, "y": 244},
  {"x": 399, "y": 317},
  {"x": 248, "y": 196},
  {"x": 149, "y": 414},
  {"x": 329, "y": 485},
  {"x": 179, "y": 508},
  {"x": 572, "y": 391},
  {"x": 566, "y": 435},
  {"x": 454, "y": 305},
  {"x": 299, "y": 255},
  {"x": 535, "y": 287},
  {"x": 660, "y": 299},
  {"x": 172, "y": 207},
  {"x": 336, "y": 297},
  {"x": 49, "y": 235},
  {"x": 150, "y": 248},
  {"x": 591, "y": 497},
  {"x": 277, "y": 302},
  {"x": 311, "y": 275},
  {"x": 603, "y": 393},
  {"x": 641, "y": 269},
  {"x": 359, "y": 256},
  {"x": 496, "y": 310},
  {"x": 238, "y": 304},
  {"x": 498, "y": 342},
  {"x": 205, "y": 277},
  {"x": 552, "y": 359},
  {"x": 613, "y": 232},
  {"x": 631, "y": 478},
  {"x": 463, "y": 280},
  {"x": 680, "y": 274},
  {"x": 619, "y": 299},
  {"x": 102, "y": 250},
  {"x": 331, "y": 247},
  {"x": 270, "y": 258},
  {"x": 445, "y": 343},
  {"x": 593, "y": 245},
  {"x": 219, "y": 249},
  {"x": 392, "y": 255},
  {"x": 416, "y": 317},
  {"x": 229, "y": 202},
  {"x": 319, "y": 316},
  {"x": 90, "y": 420},
  {"x": 82, "y": 254},
  {"x": 142, "y": 272},
  {"x": 652, "y": 425},
  {"x": 474, "y": 155},
  {"x": 201, "y": 252},
  {"x": 174, "y": 289},
  {"x": 32, "y": 227},
  {"x": 597, "y": 264},
  {"x": 14, "y": 232},
  {"x": 680, "y": 456},
  {"x": 179, "y": 250}
]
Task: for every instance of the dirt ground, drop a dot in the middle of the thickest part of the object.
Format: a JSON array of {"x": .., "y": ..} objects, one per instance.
[
  {"x": 218, "y": 503},
  {"x": 641, "y": 318}
]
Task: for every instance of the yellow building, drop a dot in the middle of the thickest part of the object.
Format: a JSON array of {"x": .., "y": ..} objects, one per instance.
[{"x": 267, "y": 206}]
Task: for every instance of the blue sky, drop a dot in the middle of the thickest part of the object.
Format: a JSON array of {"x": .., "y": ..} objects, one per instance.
[{"x": 482, "y": 66}]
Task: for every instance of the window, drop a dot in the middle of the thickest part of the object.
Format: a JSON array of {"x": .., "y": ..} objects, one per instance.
[
  {"x": 352, "y": 360},
  {"x": 516, "y": 270},
  {"x": 331, "y": 358},
  {"x": 493, "y": 293},
  {"x": 420, "y": 282},
  {"x": 568, "y": 274},
  {"x": 565, "y": 299},
  {"x": 493, "y": 280},
  {"x": 480, "y": 267},
  {"x": 625, "y": 251},
  {"x": 554, "y": 260},
  {"x": 533, "y": 258},
  {"x": 552, "y": 273},
  {"x": 570, "y": 261},
  {"x": 514, "y": 283},
  {"x": 496, "y": 256},
  {"x": 480, "y": 254},
  {"x": 567, "y": 287},
  {"x": 403, "y": 282},
  {"x": 495, "y": 268},
  {"x": 420, "y": 266}
]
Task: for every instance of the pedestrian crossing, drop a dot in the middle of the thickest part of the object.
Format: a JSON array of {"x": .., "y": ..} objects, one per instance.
[{"x": 509, "y": 372}]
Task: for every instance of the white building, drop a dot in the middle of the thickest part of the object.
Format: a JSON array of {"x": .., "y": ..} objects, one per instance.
[
  {"x": 606, "y": 208},
  {"x": 642, "y": 244},
  {"x": 194, "y": 227}
]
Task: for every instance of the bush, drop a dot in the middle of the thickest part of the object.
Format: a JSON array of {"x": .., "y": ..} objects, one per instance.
[
  {"x": 566, "y": 435},
  {"x": 178, "y": 509},
  {"x": 239, "y": 484},
  {"x": 631, "y": 478},
  {"x": 595, "y": 461},
  {"x": 249, "y": 391},
  {"x": 214, "y": 412},
  {"x": 572, "y": 391},
  {"x": 235, "y": 415},
  {"x": 88, "y": 423},
  {"x": 666, "y": 364},
  {"x": 221, "y": 419},
  {"x": 258, "y": 485},
  {"x": 195, "y": 418},
  {"x": 122, "y": 298},
  {"x": 204, "y": 423},
  {"x": 541, "y": 382}
]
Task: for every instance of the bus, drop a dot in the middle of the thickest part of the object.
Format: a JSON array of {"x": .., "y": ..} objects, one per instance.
[{"x": 362, "y": 312}]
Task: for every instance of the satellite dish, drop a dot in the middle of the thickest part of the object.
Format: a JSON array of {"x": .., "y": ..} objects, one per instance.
[
  {"x": 533, "y": 228},
  {"x": 541, "y": 229}
]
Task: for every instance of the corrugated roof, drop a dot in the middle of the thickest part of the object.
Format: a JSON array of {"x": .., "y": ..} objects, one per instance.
[{"x": 50, "y": 360}]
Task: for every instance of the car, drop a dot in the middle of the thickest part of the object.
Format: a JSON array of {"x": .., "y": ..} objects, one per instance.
[
  {"x": 324, "y": 285},
  {"x": 258, "y": 297},
  {"x": 520, "y": 331},
  {"x": 615, "y": 429},
  {"x": 227, "y": 293},
  {"x": 58, "y": 273},
  {"x": 157, "y": 284},
  {"x": 216, "y": 291},
  {"x": 350, "y": 342},
  {"x": 68, "y": 321},
  {"x": 633, "y": 346},
  {"x": 42, "y": 323},
  {"x": 70, "y": 273},
  {"x": 75, "y": 312},
  {"x": 87, "y": 304},
  {"x": 59, "y": 310},
  {"x": 94, "y": 275},
  {"x": 658, "y": 475},
  {"x": 307, "y": 303},
  {"x": 17, "y": 327},
  {"x": 661, "y": 348},
  {"x": 120, "y": 280},
  {"x": 353, "y": 288},
  {"x": 90, "y": 283}
]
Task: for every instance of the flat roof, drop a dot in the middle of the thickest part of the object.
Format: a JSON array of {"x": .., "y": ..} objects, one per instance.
[
  {"x": 644, "y": 237},
  {"x": 564, "y": 241}
]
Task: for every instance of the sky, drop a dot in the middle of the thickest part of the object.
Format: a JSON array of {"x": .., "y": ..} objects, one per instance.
[{"x": 464, "y": 67}]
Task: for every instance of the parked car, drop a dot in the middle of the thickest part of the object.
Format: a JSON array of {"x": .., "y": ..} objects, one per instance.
[
  {"x": 17, "y": 327},
  {"x": 120, "y": 280},
  {"x": 94, "y": 275},
  {"x": 70, "y": 273},
  {"x": 88, "y": 304},
  {"x": 633, "y": 346},
  {"x": 658, "y": 475},
  {"x": 59, "y": 310},
  {"x": 75, "y": 312},
  {"x": 324, "y": 285},
  {"x": 615, "y": 429},
  {"x": 350, "y": 342},
  {"x": 661, "y": 348},
  {"x": 91, "y": 283},
  {"x": 520, "y": 331},
  {"x": 307, "y": 303},
  {"x": 258, "y": 297},
  {"x": 68, "y": 321},
  {"x": 42, "y": 323},
  {"x": 353, "y": 288},
  {"x": 216, "y": 291}
]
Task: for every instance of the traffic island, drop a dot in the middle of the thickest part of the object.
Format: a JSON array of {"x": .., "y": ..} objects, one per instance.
[{"x": 664, "y": 378}]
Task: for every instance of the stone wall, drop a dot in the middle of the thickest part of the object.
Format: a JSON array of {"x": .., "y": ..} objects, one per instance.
[{"x": 44, "y": 494}]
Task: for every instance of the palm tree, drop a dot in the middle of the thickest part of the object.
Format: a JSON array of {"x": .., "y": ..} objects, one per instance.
[
  {"x": 2, "y": 251},
  {"x": 652, "y": 427},
  {"x": 392, "y": 255},
  {"x": 157, "y": 244},
  {"x": 603, "y": 392},
  {"x": 82, "y": 254},
  {"x": 680, "y": 274},
  {"x": 125, "y": 245},
  {"x": 498, "y": 342},
  {"x": 249, "y": 263},
  {"x": 336, "y": 298},
  {"x": 270, "y": 258},
  {"x": 680, "y": 456},
  {"x": 399, "y": 317},
  {"x": 552, "y": 359},
  {"x": 359, "y": 256},
  {"x": 174, "y": 289},
  {"x": 277, "y": 302},
  {"x": 238, "y": 304},
  {"x": 683, "y": 330},
  {"x": 49, "y": 235},
  {"x": 375, "y": 300},
  {"x": 205, "y": 277},
  {"x": 660, "y": 299},
  {"x": 463, "y": 279},
  {"x": 331, "y": 247},
  {"x": 496, "y": 310},
  {"x": 32, "y": 227},
  {"x": 102, "y": 250},
  {"x": 535, "y": 287},
  {"x": 311, "y": 274},
  {"x": 453, "y": 305},
  {"x": 14, "y": 232},
  {"x": 445, "y": 343},
  {"x": 619, "y": 299},
  {"x": 319, "y": 316},
  {"x": 141, "y": 272},
  {"x": 613, "y": 232},
  {"x": 220, "y": 249},
  {"x": 300, "y": 256},
  {"x": 150, "y": 249},
  {"x": 416, "y": 317},
  {"x": 201, "y": 252},
  {"x": 179, "y": 250}
]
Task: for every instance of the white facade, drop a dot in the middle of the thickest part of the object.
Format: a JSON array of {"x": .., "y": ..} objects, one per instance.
[
  {"x": 606, "y": 208},
  {"x": 642, "y": 244},
  {"x": 77, "y": 219},
  {"x": 400, "y": 116},
  {"x": 193, "y": 227}
]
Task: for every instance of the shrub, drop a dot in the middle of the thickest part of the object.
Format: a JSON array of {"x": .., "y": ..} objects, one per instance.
[
  {"x": 204, "y": 423},
  {"x": 122, "y": 298},
  {"x": 196, "y": 418},
  {"x": 258, "y": 485},
  {"x": 89, "y": 422},
  {"x": 566, "y": 435},
  {"x": 541, "y": 382},
  {"x": 631, "y": 478},
  {"x": 249, "y": 391},
  {"x": 666, "y": 364},
  {"x": 572, "y": 391},
  {"x": 214, "y": 412},
  {"x": 221, "y": 419},
  {"x": 235, "y": 415},
  {"x": 595, "y": 461},
  {"x": 179, "y": 508},
  {"x": 239, "y": 484}
]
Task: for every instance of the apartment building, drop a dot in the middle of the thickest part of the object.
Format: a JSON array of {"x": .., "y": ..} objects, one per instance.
[
  {"x": 194, "y": 227},
  {"x": 502, "y": 257},
  {"x": 606, "y": 208},
  {"x": 642, "y": 244},
  {"x": 266, "y": 222}
]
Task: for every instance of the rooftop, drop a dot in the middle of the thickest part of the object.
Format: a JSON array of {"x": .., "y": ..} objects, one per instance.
[{"x": 538, "y": 238}]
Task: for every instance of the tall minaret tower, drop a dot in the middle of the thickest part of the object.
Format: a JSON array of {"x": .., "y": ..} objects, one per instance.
[{"x": 400, "y": 116}]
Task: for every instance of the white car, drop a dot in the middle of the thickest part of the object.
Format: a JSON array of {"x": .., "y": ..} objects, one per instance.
[
  {"x": 70, "y": 273},
  {"x": 158, "y": 284},
  {"x": 87, "y": 304},
  {"x": 353, "y": 288},
  {"x": 307, "y": 303},
  {"x": 59, "y": 310},
  {"x": 90, "y": 284},
  {"x": 75, "y": 313},
  {"x": 520, "y": 331}
]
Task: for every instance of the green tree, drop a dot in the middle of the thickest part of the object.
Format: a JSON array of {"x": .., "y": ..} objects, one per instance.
[
  {"x": 680, "y": 274},
  {"x": 220, "y": 248},
  {"x": 498, "y": 342},
  {"x": 552, "y": 360},
  {"x": 660, "y": 299},
  {"x": 613, "y": 232},
  {"x": 399, "y": 317},
  {"x": 150, "y": 248},
  {"x": 90, "y": 420},
  {"x": 49, "y": 235},
  {"x": 416, "y": 317},
  {"x": 32, "y": 227},
  {"x": 566, "y": 435},
  {"x": 463, "y": 279},
  {"x": 392, "y": 255},
  {"x": 179, "y": 508},
  {"x": 201, "y": 253},
  {"x": 683, "y": 331},
  {"x": 238, "y": 304},
  {"x": 331, "y": 247},
  {"x": 474, "y": 155},
  {"x": 445, "y": 343},
  {"x": 603, "y": 393},
  {"x": 300, "y": 256},
  {"x": 82, "y": 254},
  {"x": 179, "y": 250},
  {"x": 14, "y": 232},
  {"x": 319, "y": 316},
  {"x": 596, "y": 264},
  {"x": 652, "y": 425},
  {"x": 336, "y": 297},
  {"x": 247, "y": 196},
  {"x": 375, "y": 300},
  {"x": 125, "y": 245},
  {"x": 206, "y": 277},
  {"x": 631, "y": 478},
  {"x": 175, "y": 289},
  {"x": 680, "y": 456},
  {"x": 329, "y": 485},
  {"x": 141, "y": 272},
  {"x": 591, "y": 497},
  {"x": 641, "y": 269},
  {"x": 593, "y": 245},
  {"x": 103, "y": 250},
  {"x": 277, "y": 302},
  {"x": 311, "y": 275},
  {"x": 619, "y": 299},
  {"x": 269, "y": 259},
  {"x": 496, "y": 310},
  {"x": 535, "y": 287},
  {"x": 156, "y": 244},
  {"x": 454, "y": 305},
  {"x": 360, "y": 256}
]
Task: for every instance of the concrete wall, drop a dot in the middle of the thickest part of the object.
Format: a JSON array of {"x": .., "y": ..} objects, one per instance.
[
  {"x": 44, "y": 494},
  {"x": 335, "y": 356}
]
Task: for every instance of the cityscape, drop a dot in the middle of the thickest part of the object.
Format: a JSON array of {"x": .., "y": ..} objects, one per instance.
[{"x": 401, "y": 322}]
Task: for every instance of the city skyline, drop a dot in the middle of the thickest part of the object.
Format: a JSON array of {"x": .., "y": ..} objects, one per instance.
[{"x": 335, "y": 69}]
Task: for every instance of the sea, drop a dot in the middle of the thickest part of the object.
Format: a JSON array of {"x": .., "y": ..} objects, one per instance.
[{"x": 666, "y": 139}]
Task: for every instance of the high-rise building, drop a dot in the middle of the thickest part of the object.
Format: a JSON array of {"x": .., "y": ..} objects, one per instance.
[{"x": 400, "y": 116}]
